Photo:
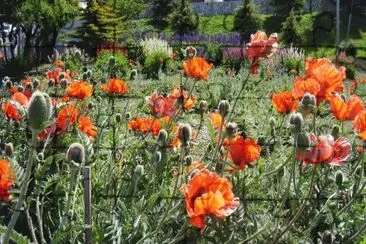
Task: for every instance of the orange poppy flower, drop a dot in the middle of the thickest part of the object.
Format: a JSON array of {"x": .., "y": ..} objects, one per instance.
[
  {"x": 115, "y": 86},
  {"x": 216, "y": 120},
  {"x": 303, "y": 85},
  {"x": 197, "y": 68},
  {"x": 86, "y": 125},
  {"x": 243, "y": 151},
  {"x": 145, "y": 125},
  {"x": 345, "y": 111},
  {"x": 20, "y": 98},
  {"x": 59, "y": 63},
  {"x": 11, "y": 112},
  {"x": 359, "y": 124},
  {"x": 330, "y": 78},
  {"x": 55, "y": 74},
  {"x": 188, "y": 101},
  {"x": 79, "y": 90},
  {"x": 284, "y": 102},
  {"x": 326, "y": 150},
  {"x": 66, "y": 117},
  {"x": 208, "y": 194},
  {"x": 7, "y": 178},
  {"x": 27, "y": 81}
]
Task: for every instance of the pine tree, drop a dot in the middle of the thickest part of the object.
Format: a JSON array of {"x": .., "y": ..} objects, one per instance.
[
  {"x": 160, "y": 12},
  {"x": 101, "y": 25},
  {"x": 283, "y": 7},
  {"x": 183, "y": 19},
  {"x": 247, "y": 20}
]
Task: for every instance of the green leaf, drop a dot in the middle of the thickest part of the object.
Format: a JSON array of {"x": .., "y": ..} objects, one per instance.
[{"x": 15, "y": 236}]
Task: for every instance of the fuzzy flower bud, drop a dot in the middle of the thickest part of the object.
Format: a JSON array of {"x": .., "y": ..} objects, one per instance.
[
  {"x": 335, "y": 132},
  {"x": 185, "y": 134},
  {"x": 231, "y": 128},
  {"x": 89, "y": 74},
  {"x": 162, "y": 138},
  {"x": 339, "y": 178},
  {"x": 272, "y": 122},
  {"x": 302, "y": 142},
  {"x": 157, "y": 156},
  {"x": 40, "y": 157},
  {"x": 64, "y": 83},
  {"x": 133, "y": 74},
  {"x": 308, "y": 103},
  {"x": 188, "y": 160},
  {"x": 20, "y": 88},
  {"x": 111, "y": 61},
  {"x": 76, "y": 153},
  {"x": 8, "y": 84},
  {"x": 139, "y": 170},
  {"x": 85, "y": 76},
  {"x": 203, "y": 106},
  {"x": 51, "y": 82},
  {"x": 39, "y": 111},
  {"x": 9, "y": 149},
  {"x": 35, "y": 83},
  {"x": 327, "y": 237},
  {"x": 224, "y": 107},
  {"x": 128, "y": 116},
  {"x": 118, "y": 117},
  {"x": 296, "y": 122},
  {"x": 61, "y": 76}
]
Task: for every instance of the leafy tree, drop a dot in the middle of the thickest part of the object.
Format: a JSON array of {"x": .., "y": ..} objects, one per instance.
[
  {"x": 247, "y": 20},
  {"x": 102, "y": 25},
  {"x": 296, "y": 29},
  {"x": 160, "y": 12},
  {"x": 129, "y": 9},
  {"x": 183, "y": 19}
]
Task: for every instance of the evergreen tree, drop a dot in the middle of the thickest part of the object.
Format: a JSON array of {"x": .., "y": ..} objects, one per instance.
[
  {"x": 183, "y": 19},
  {"x": 283, "y": 7},
  {"x": 160, "y": 12},
  {"x": 247, "y": 20},
  {"x": 101, "y": 25}
]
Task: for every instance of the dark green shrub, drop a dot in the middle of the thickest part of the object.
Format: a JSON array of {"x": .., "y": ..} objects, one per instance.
[
  {"x": 160, "y": 10},
  {"x": 18, "y": 65},
  {"x": 247, "y": 19},
  {"x": 297, "y": 29},
  {"x": 154, "y": 63},
  {"x": 183, "y": 19}
]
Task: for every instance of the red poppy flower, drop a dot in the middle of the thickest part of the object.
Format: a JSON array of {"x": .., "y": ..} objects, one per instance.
[
  {"x": 7, "y": 178},
  {"x": 208, "y": 194},
  {"x": 66, "y": 117},
  {"x": 79, "y": 90},
  {"x": 11, "y": 112},
  {"x": 326, "y": 150},
  {"x": 243, "y": 151},
  {"x": 345, "y": 111},
  {"x": 161, "y": 106},
  {"x": 359, "y": 124},
  {"x": 86, "y": 125},
  {"x": 20, "y": 98},
  {"x": 197, "y": 68},
  {"x": 284, "y": 102},
  {"x": 115, "y": 86},
  {"x": 147, "y": 125}
]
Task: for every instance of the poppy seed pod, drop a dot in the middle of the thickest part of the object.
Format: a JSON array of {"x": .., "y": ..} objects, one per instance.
[
  {"x": 327, "y": 237},
  {"x": 203, "y": 106},
  {"x": 296, "y": 122},
  {"x": 335, "y": 132},
  {"x": 231, "y": 128},
  {"x": 9, "y": 149},
  {"x": 162, "y": 138},
  {"x": 76, "y": 153},
  {"x": 339, "y": 178},
  {"x": 139, "y": 170},
  {"x": 224, "y": 107},
  {"x": 20, "y": 89},
  {"x": 39, "y": 111},
  {"x": 302, "y": 142},
  {"x": 185, "y": 134},
  {"x": 308, "y": 103}
]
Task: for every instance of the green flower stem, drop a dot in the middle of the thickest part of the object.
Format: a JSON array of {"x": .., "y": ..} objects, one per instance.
[
  {"x": 31, "y": 227},
  {"x": 23, "y": 189},
  {"x": 301, "y": 209}
]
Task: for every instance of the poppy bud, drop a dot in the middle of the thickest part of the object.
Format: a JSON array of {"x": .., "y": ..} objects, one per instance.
[
  {"x": 39, "y": 111},
  {"x": 231, "y": 128},
  {"x": 162, "y": 138},
  {"x": 20, "y": 89},
  {"x": 296, "y": 122},
  {"x": 89, "y": 74},
  {"x": 9, "y": 149},
  {"x": 308, "y": 103},
  {"x": 303, "y": 142},
  {"x": 224, "y": 107},
  {"x": 335, "y": 132},
  {"x": 261, "y": 140},
  {"x": 35, "y": 83},
  {"x": 6, "y": 78},
  {"x": 203, "y": 106},
  {"x": 133, "y": 74},
  {"x": 85, "y": 76},
  {"x": 51, "y": 82},
  {"x": 61, "y": 76},
  {"x": 77, "y": 53},
  {"x": 185, "y": 134},
  {"x": 327, "y": 237},
  {"x": 40, "y": 157},
  {"x": 139, "y": 170},
  {"x": 118, "y": 117},
  {"x": 76, "y": 153},
  {"x": 64, "y": 83},
  {"x": 157, "y": 156},
  {"x": 128, "y": 116},
  {"x": 188, "y": 160},
  {"x": 84, "y": 69},
  {"x": 112, "y": 61},
  {"x": 29, "y": 87},
  {"x": 339, "y": 178},
  {"x": 8, "y": 84},
  {"x": 272, "y": 122}
]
